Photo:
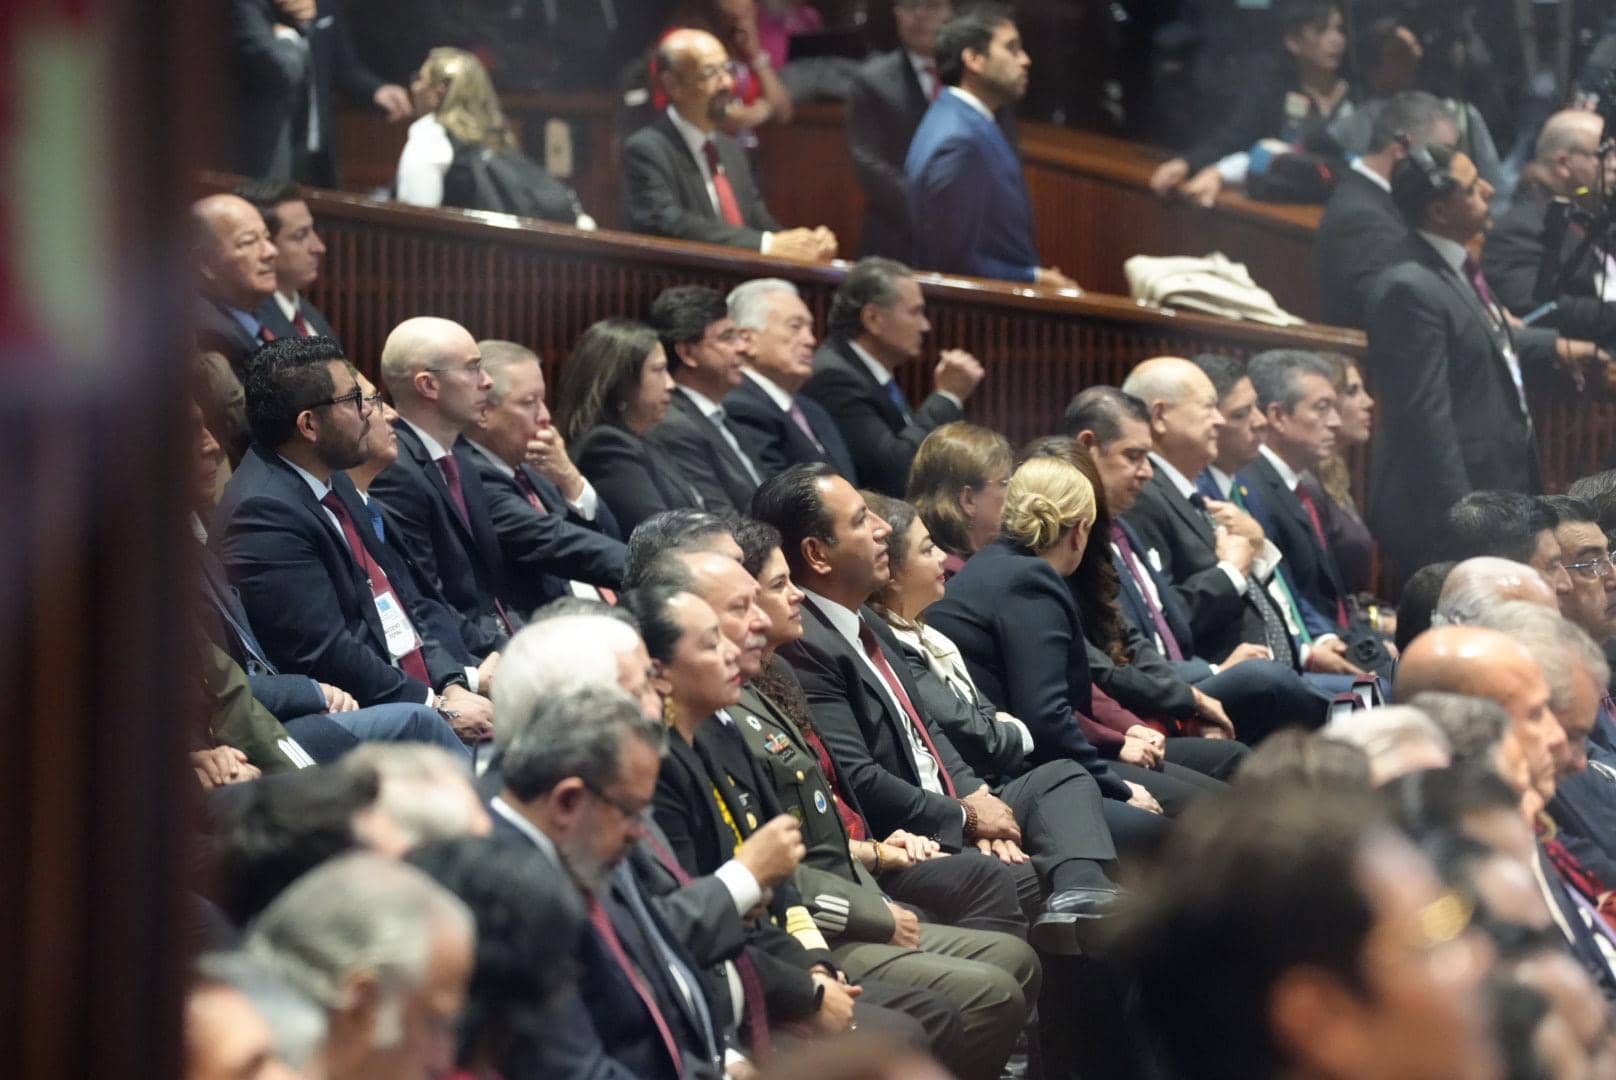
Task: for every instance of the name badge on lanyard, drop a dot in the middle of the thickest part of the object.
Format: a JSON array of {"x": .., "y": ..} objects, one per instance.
[{"x": 396, "y": 626}]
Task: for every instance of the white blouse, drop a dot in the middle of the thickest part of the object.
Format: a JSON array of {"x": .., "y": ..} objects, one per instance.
[{"x": 424, "y": 162}]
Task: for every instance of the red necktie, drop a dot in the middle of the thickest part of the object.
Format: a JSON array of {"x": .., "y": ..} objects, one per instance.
[
  {"x": 728, "y": 208},
  {"x": 930, "y": 67},
  {"x": 411, "y": 663},
  {"x": 451, "y": 476},
  {"x": 302, "y": 325},
  {"x": 265, "y": 334},
  {"x": 1131, "y": 561},
  {"x": 872, "y": 649},
  {"x": 603, "y": 926},
  {"x": 1305, "y": 497}
]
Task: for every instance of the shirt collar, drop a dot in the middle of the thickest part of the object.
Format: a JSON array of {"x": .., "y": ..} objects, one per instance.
[
  {"x": 316, "y": 485},
  {"x": 693, "y": 136},
  {"x": 770, "y": 387},
  {"x": 877, "y": 370},
  {"x": 288, "y": 304},
  {"x": 972, "y": 100},
  {"x": 493, "y": 459},
  {"x": 525, "y": 827},
  {"x": 1289, "y": 475},
  {"x": 1371, "y": 175},
  {"x": 1223, "y": 480},
  {"x": 845, "y": 622},
  {"x": 1453, "y": 253},
  {"x": 1183, "y": 486},
  {"x": 247, "y": 320},
  {"x": 434, "y": 449},
  {"x": 707, "y": 405},
  {"x": 198, "y": 530}
]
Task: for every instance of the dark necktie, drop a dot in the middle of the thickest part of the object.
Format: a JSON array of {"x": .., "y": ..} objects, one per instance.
[
  {"x": 451, "y": 476},
  {"x": 878, "y": 657},
  {"x": 301, "y": 323},
  {"x": 531, "y": 492},
  {"x": 1305, "y": 496},
  {"x": 411, "y": 663},
  {"x": 603, "y": 926},
  {"x": 895, "y": 395},
  {"x": 728, "y": 208},
  {"x": 1130, "y": 560},
  {"x": 1478, "y": 281},
  {"x": 1276, "y": 635},
  {"x": 265, "y": 334}
]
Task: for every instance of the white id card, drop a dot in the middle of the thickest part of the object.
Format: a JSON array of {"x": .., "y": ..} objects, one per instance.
[{"x": 396, "y": 625}]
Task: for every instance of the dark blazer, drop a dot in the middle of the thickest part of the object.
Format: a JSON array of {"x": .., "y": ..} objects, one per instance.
[
  {"x": 882, "y": 436},
  {"x": 1164, "y": 522},
  {"x": 1311, "y": 569},
  {"x": 993, "y": 750},
  {"x": 308, "y": 601},
  {"x": 885, "y": 104},
  {"x": 270, "y": 314},
  {"x": 868, "y": 739},
  {"x": 1136, "y": 608},
  {"x": 1358, "y": 237},
  {"x": 698, "y": 450},
  {"x": 1513, "y": 254},
  {"x": 633, "y": 480},
  {"x": 664, "y": 193},
  {"x": 1016, "y": 625},
  {"x": 465, "y": 564},
  {"x": 968, "y": 201},
  {"x": 544, "y": 551},
  {"x": 774, "y": 439},
  {"x": 272, "y": 87},
  {"x": 1451, "y": 421}
]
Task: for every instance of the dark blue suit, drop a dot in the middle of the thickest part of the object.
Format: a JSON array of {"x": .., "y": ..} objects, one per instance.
[
  {"x": 776, "y": 442},
  {"x": 1311, "y": 570},
  {"x": 968, "y": 201}
]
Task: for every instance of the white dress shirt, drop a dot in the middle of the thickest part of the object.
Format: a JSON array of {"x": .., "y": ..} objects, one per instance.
[
  {"x": 697, "y": 139},
  {"x": 878, "y": 371}
]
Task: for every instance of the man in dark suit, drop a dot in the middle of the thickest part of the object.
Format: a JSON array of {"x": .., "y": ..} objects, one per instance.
[
  {"x": 684, "y": 178},
  {"x": 898, "y": 762},
  {"x": 885, "y": 103},
  {"x": 235, "y": 267},
  {"x": 554, "y": 531},
  {"x": 968, "y": 201},
  {"x": 780, "y": 426},
  {"x": 325, "y": 597},
  {"x": 1568, "y": 167},
  {"x": 1361, "y": 227},
  {"x": 877, "y": 324},
  {"x": 287, "y": 56},
  {"x": 298, "y": 255},
  {"x": 1447, "y": 366},
  {"x": 703, "y": 345}
]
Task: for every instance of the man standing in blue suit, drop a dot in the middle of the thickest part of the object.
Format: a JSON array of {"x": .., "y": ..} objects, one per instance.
[{"x": 968, "y": 198}]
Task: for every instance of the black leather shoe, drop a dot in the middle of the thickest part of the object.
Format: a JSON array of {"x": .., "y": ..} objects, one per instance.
[{"x": 1068, "y": 919}]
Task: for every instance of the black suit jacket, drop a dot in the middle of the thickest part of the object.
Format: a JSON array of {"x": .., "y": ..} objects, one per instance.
[
  {"x": 633, "y": 480},
  {"x": 885, "y": 103},
  {"x": 305, "y": 594},
  {"x": 1451, "y": 421},
  {"x": 1514, "y": 253},
  {"x": 544, "y": 551},
  {"x": 774, "y": 439},
  {"x": 867, "y": 739},
  {"x": 465, "y": 564},
  {"x": 882, "y": 437},
  {"x": 1016, "y": 625},
  {"x": 1358, "y": 237},
  {"x": 696, "y": 447},
  {"x": 1164, "y": 522},
  {"x": 270, "y": 314},
  {"x": 272, "y": 85},
  {"x": 665, "y": 195},
  {"x": 1313, "y": 573}
]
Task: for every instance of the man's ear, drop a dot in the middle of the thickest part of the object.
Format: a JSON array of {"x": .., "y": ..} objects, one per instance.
[
  {"x": 1158, "y": 417},
  {"x": 307, "y": 426},
  {"x": 816, "y": 555},
  {"x": 359, "y": 1001},
  {"x": 870, "y": 316},
  {"x": 1087, "y": 440},
  {"x": 1316, "y": 1023},
  {"x": 425, "y": 385}
]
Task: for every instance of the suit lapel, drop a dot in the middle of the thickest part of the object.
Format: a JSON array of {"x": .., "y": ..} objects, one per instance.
[
  {"x": 1180, "y": 506},
  {"x": 737, "y": 477},
  {"x": 873, "y": 687},
  {"x": 893, "y": 415},
  {"x": 689, "y": 168},
  {"x": 1498, "y": 335}
]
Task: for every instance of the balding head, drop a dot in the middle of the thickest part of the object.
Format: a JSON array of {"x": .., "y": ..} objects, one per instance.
[
  {"x": 232, "y": 251},
  {"x": 1477, "y": 585},
  {"x": 1183, "y": 404},
  {"x": 694, "y": 68},
  {"x": 1567, "y": 157},
  {"x": 433, "y": 370}
]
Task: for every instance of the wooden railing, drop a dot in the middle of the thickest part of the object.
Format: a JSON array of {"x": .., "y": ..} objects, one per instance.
[{"x": 544, "y": 284}]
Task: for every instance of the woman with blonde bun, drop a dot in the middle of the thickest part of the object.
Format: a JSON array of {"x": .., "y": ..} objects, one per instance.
[{"x": 1012, "y": 615}]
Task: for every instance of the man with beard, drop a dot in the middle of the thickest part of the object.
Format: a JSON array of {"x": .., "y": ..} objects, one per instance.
[
  {"x": 326, "y": 597},
  {"x": 686, "y": 179}
]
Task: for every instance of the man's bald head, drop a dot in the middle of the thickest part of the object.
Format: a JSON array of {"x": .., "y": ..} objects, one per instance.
[
  {"x": 232, "y": 250},
  {"x": 1183, "y": 405},
  {"x": 1568, "y": 158},
  {"x": 694, "y": 68},
  {"x": 1477, "y": 585},
  {"x": 1567, "y": 130},
  {"x": 432, "y": 368}
]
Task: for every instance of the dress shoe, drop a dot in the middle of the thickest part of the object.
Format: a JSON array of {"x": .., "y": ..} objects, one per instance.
[{"x": 1068, "y": 919}]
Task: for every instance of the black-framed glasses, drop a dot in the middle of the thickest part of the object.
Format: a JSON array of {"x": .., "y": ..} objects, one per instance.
[
  {"x": 1600, "y": 566},
  {"x": 355, "y": 397},
  {"x": 627, "y": 809}
]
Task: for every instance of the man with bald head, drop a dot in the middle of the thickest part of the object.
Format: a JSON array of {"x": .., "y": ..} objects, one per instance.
[
  {"x": 1475, "y": 585},
  {"x": 1568, "y": 165},
  {"x": 686, "y": 179},
  {"x": 433, "y": 371},
  {"x": 234, "y": 261}
]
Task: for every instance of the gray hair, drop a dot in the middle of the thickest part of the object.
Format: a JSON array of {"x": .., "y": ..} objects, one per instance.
[
  {"x": 1474, "y": 587},
  {"x": 551, "y": 656},
  {"x": 1159, "y": 382},
  {"x": 749, "y": 301},
  {"x": 872, "y": 280},
  {"x": 498, "y": 358},
  {"x": 1386, "y": 734},
  {"x": 1562, "y": 132},
  {"x": 1474, "y": 725},
  {"x": 425, "y": 790},
  {"x": 1277, "y": 376},
  {"x": 1558, "y": 645},
  {"x": 578, "y": 732},
  {"x": 356, "y": 913},
  {"x": 297, "y": 1025}
]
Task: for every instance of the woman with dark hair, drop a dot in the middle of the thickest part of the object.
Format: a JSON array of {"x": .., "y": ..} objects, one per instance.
[
  {"x": 957, "y": 484},
  {"x": 528, "y": 924},
  {"x": 615, "y": 388},
  {"x": 1350, "y": 542}
]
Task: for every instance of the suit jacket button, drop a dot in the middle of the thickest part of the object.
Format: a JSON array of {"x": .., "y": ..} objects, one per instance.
[{"x": 801, "y": 775}]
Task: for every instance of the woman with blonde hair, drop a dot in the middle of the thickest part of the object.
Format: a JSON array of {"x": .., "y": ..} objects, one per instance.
[
  {"x": 1344, "y": 527},
  {"x": 462, "y": 152},
  {"x": 957, "y": 484}
]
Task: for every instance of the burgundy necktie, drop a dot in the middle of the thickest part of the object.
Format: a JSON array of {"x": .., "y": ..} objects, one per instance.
[
  {"x": 1119, "y": 537},
  {"x": 451, "y": 476},
  {"x": 302, "y": 324},
  {"x": 930, "y": 67},
  {"x": 728, "y": 208},
  {"x": 531, "y": 492},
  {"x": 1305, "y": 497},
  {"x": 603, "y": 926},
  {"x": 411, "y": 663},
  {"x": 872, "y": 649},
  {"x": 1472, "y": 270}
]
